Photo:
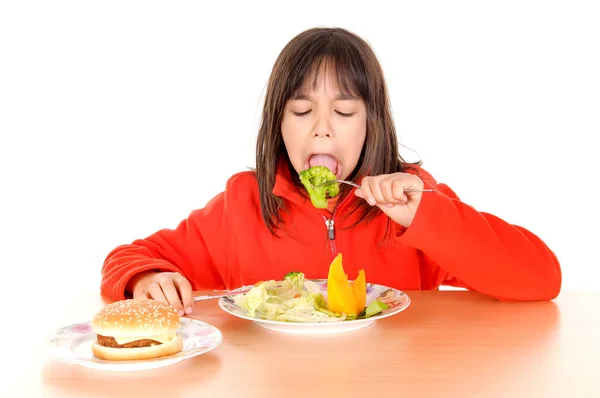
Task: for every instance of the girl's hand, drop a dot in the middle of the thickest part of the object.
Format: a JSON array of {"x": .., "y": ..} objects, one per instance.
[
  {"x": 169, "y": 287},
  {"x": 387, "y": 192}
]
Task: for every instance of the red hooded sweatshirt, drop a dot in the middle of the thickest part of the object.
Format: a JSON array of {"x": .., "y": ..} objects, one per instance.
[{"x": 226, "y": 245}]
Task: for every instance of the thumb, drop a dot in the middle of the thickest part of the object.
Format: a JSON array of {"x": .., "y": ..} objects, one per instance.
[{"x": 360, "y": 194}]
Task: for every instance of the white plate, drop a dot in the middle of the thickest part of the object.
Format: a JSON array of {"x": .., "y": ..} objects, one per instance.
[
  {"x": 397, "y": 300},
  {"x": 73, "y": 344}
]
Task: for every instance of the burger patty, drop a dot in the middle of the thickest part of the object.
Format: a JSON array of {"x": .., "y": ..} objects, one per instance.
[{"x": 108, "y": 341}]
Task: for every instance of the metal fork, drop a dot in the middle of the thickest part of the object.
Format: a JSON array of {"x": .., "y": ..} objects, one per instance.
[{"x": 358, "y": 186}]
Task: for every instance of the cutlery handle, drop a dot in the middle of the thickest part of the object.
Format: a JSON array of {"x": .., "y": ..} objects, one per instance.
[
  {"x": 419, "y": 190},
  {"x": 235, "y": 292},
  {"x": 207, "y": 297}
]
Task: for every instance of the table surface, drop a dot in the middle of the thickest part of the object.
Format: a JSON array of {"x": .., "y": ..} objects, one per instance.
[{"x": 445, "y": 344}]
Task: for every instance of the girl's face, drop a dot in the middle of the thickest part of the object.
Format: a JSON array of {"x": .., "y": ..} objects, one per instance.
[{"x": 322, "y": 126}]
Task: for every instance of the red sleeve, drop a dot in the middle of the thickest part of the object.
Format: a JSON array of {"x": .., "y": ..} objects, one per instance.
[
  {"x": 183, "y": 249},
  {"x": 464, "y": 247}
]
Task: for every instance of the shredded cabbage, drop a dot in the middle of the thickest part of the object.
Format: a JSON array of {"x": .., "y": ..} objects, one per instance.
[{"x": 288, "y": 302}]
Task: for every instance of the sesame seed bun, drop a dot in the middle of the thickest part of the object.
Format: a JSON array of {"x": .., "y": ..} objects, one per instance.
[
  {"x": 136, "y": 329},
  {"x": 135, "y": 318}
]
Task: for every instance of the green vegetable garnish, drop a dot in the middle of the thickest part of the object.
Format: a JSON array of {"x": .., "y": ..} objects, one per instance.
[{"x": 373, "y": 309}]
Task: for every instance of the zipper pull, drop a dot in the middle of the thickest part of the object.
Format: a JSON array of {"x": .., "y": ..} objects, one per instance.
[{"x": 330, "y": 231}]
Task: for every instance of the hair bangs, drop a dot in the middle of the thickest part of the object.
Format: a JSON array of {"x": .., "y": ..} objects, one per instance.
[{"x": 345, "y": 72}]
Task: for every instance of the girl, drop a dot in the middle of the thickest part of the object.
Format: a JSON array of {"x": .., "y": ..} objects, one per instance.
[{"x": 327, "y": 104}]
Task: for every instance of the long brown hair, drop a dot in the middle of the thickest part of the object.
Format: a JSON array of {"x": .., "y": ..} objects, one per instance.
[{"x": 358, "y": 72}]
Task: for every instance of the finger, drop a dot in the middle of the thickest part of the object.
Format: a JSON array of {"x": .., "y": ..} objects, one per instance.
[
  {"x": 172, "y": 296},
  {"x": 387, "y": 190},
  {"x": 398, "y": 193},
  {"x": 366, "y": 192},
  {"x": 185, "y": 292},
  {"x": 413, "y": 182},
  {"x": 375, "y": 186},
  {"x": 156, "y": 292},
  {"x": 141, "y": 295}
]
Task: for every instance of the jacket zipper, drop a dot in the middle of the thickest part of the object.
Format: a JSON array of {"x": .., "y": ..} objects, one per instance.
[
  {"x": 331, "y": 235},
  {"x": 329, "y": 223}
]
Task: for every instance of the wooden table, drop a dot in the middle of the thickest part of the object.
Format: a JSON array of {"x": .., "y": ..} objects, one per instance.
[{"x": 446, "y": 344}]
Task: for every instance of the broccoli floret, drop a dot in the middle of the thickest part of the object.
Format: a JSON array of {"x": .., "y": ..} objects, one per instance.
[
  {"x": 312, "y": 177},
  {"x": 294, "y": 280},
  {"x": 294, "y": 274}
]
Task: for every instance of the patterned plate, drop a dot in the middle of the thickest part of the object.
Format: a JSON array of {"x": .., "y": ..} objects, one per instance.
[
  {"x": 73, "y": 344},
  {"x": 396, "y": 300}
]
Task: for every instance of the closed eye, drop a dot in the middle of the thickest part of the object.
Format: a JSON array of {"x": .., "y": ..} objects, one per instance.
[
  {"x": 338, "y": 112},
  {"x": 301, "y": 113}
]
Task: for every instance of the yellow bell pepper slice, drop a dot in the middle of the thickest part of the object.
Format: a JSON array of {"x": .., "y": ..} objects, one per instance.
[
  {"x": 359, "y": 289},
  {"x": 344, "y": 296}
]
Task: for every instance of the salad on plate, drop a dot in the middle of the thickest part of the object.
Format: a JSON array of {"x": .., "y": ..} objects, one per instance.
[{"x": 297, "y": 299}]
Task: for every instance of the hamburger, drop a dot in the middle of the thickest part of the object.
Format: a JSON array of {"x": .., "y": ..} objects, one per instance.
[{"x": 136, "y": 329}]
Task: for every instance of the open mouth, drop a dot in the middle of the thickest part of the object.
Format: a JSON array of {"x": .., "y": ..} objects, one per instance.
[{"x": 326, "y": 160}]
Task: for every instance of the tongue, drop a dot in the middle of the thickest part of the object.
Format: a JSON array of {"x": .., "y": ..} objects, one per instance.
[{"x": 323, "y": 160}]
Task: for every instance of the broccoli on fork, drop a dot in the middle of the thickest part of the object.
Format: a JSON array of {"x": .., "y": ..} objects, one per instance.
[{"x": 312, "y": 177}]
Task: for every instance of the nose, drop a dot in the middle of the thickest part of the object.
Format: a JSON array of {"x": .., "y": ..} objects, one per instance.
[{"x": 322, "y": 128}]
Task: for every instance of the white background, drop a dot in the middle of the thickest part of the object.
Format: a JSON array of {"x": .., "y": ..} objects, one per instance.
[{"x": 107, "y": 109}]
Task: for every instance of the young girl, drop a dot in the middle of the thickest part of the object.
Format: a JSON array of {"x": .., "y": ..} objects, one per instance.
[{"x": 327, "y": 104}]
